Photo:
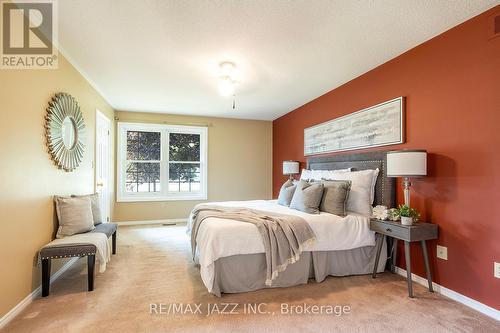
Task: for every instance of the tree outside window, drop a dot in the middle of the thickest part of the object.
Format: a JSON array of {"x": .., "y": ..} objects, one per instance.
[
  {"x": 143, "y": 157},
  {"x": 184, "y": 162}
]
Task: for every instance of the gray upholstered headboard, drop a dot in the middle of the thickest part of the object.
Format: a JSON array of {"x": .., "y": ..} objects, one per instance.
[{"x": 385, "y": 188}]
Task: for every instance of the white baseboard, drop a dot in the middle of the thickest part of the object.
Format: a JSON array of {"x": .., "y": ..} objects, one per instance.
[
  {"x": 483, "y": 308},
  {"x": 166, "y": 221},
  {"x": 9, "y": 316}
]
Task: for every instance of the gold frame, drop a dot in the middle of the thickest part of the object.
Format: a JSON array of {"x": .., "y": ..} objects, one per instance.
[{"x": 61, "y": 106}]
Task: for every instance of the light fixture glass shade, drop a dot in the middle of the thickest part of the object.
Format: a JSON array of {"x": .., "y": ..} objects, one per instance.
[
  {"x": 227, "y": 69},
  {"x": 227, "y": 78},
  {"x": 290, "y": 167},
  {"x": 407, "y": 163},
  {"x": 226, "y": 87}
]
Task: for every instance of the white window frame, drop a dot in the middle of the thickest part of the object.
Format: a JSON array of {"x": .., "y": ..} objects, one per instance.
[{"x": 164, "y": 194}]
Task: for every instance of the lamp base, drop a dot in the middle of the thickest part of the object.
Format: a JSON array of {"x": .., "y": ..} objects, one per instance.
[{"x": 406, "y": 187}]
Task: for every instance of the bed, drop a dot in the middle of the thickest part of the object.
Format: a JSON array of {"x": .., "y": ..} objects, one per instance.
[{"x": 231, "y": 254}]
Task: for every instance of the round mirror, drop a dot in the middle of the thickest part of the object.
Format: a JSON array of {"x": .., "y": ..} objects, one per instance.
[
  {"x": 68, "y": 132},
  {"x": 65, "y": 131}
]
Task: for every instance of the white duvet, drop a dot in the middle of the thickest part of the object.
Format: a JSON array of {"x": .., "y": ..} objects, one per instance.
[{"x": 218, "y": 238}]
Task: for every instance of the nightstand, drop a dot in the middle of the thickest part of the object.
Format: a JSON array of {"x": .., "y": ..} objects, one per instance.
[{"x": 418, "y": 232}]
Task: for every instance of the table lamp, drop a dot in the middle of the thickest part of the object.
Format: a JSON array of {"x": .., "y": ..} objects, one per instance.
[
  {"x": 290, "y": 168},
  {"x": 407, "y": 164}
]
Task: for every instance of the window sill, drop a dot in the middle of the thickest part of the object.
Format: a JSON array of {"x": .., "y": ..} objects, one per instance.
[{"x": 156, "y": 199}]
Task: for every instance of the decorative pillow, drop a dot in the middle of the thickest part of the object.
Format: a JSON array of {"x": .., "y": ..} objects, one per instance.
[
  {"x": 286, "y": 193},
  {"x": 306, "y": 174},
  {"x": 372, "y": 193},
  {"x": 307, "y": 197},
  {"x": 96, "y": 206},
  {"x": 362, "y": 190},
  {"x": 335, "y": 194},
  {"x": 320, "y": 174},
  {"x": 328, "y": 174},
  {"x": 74, "y": 215}
]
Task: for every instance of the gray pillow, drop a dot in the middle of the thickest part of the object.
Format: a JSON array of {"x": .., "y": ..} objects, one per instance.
[
  {"x": 307, "y": 197},
  {"x": 335, "y": 196},
  {"x": 74, "y": 215},
  {"x": 96, "y": 206},
  {"x": 286, "y": 193}
]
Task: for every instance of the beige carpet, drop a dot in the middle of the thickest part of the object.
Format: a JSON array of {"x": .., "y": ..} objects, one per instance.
[{"x": 153, "y": 266}]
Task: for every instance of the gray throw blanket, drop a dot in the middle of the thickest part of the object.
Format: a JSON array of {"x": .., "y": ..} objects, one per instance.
[{"x": 284, "y": 236}]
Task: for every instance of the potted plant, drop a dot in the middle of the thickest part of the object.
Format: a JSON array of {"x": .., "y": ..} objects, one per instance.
[
  {"x": 394, "y": 214},
  {"x": 408, "y": 215}
]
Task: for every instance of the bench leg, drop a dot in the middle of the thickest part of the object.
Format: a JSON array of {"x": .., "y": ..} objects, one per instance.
[
  {"x": 45, "y": 277},
  {"x": 90, "y": 271},
  {"x": 113, "y": 241}
]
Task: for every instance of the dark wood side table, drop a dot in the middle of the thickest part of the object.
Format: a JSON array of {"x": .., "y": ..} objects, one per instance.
[{"x": 419, "y": 231}]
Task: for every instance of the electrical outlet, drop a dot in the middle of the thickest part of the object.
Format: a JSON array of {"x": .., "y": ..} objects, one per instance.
[
  {"x": 442, "y": 252},
  {"x": 496, "y": 270}
]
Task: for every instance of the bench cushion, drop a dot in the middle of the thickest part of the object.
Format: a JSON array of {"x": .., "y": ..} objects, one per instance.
[
  {"x": 76, "y": 249},
  {"x": 67, "y": 250},
  {"x": 106, "y": 228}
]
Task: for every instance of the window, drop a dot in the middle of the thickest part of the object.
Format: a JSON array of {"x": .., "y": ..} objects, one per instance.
[
  {"x": 161, "y": 162},
  {"x": 143, "y": 161}
]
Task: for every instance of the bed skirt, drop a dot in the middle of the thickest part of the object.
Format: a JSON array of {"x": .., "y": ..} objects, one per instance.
[{"x": 247, "y": 272}]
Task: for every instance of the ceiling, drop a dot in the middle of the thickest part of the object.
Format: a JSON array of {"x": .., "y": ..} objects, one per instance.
[{"x": 162, "y": 56}]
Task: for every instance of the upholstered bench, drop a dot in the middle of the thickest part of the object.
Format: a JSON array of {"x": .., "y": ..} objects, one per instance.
[
  {"x": 110, "y": 230},
  {"x": 49, "y": 252}
]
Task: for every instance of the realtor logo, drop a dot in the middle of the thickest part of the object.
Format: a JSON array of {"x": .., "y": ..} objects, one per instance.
[{"x": 29, "y": 34}]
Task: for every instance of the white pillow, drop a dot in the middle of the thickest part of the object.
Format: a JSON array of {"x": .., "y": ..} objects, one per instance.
[
  {"x": 375, "y": 176},
  {"x": 328, "y": 174},
  {"x": 362, "y": 191},
  {"x": 306, "y": 174},
  {"x": 320, "y": 174}
]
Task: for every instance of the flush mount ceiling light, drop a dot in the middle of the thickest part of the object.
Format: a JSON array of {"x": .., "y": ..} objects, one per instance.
[
  {"x": 228, "y": 73},
  {"x": 227, "y": 78}
]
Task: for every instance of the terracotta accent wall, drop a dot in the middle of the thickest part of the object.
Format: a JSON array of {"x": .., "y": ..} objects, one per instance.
[
  {"x": 239, "y": 164},
  {"x": 452, "y": 89},
  {"x": 29, "y": 178}
]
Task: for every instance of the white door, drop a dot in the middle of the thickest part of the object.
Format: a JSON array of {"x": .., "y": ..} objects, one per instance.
[{"x": 102, "y": 162}]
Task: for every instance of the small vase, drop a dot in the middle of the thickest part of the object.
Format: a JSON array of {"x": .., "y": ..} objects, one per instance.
[{"x": 406, "y": 220}]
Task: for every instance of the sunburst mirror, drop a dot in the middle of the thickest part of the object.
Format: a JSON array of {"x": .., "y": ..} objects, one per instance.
[{"x": 65, "y": 131}]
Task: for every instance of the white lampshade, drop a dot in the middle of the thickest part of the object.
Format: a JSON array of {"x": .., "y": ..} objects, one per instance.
[
  {"x": 407, "y": 163},
  {"x": 290, "y": 167}
]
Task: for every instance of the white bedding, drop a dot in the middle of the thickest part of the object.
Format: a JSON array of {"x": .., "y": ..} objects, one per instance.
[{"x": 218, "y": 238}]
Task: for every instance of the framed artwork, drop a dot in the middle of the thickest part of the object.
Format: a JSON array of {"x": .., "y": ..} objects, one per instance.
[{"x": 379, "y": 125}]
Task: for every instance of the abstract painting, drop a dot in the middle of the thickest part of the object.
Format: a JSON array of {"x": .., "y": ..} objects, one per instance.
[{"x": 379, "y": 125}]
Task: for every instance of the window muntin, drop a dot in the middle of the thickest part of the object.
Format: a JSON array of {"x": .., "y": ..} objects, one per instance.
[
  {"x": 162, "y": 162},
  {"x": 184, "y": 177}
]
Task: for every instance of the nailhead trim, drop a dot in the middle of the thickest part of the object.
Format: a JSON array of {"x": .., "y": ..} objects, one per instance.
[
  {"x": 68, "y": 255},
  {"x": 382, "y": 170}
]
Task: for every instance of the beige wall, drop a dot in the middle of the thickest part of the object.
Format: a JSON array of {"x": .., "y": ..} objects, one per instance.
[
  {"x": 239, "y": 164},
  {"x": 239, "y": 157},
  {"x": 28, "y": 177}
]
